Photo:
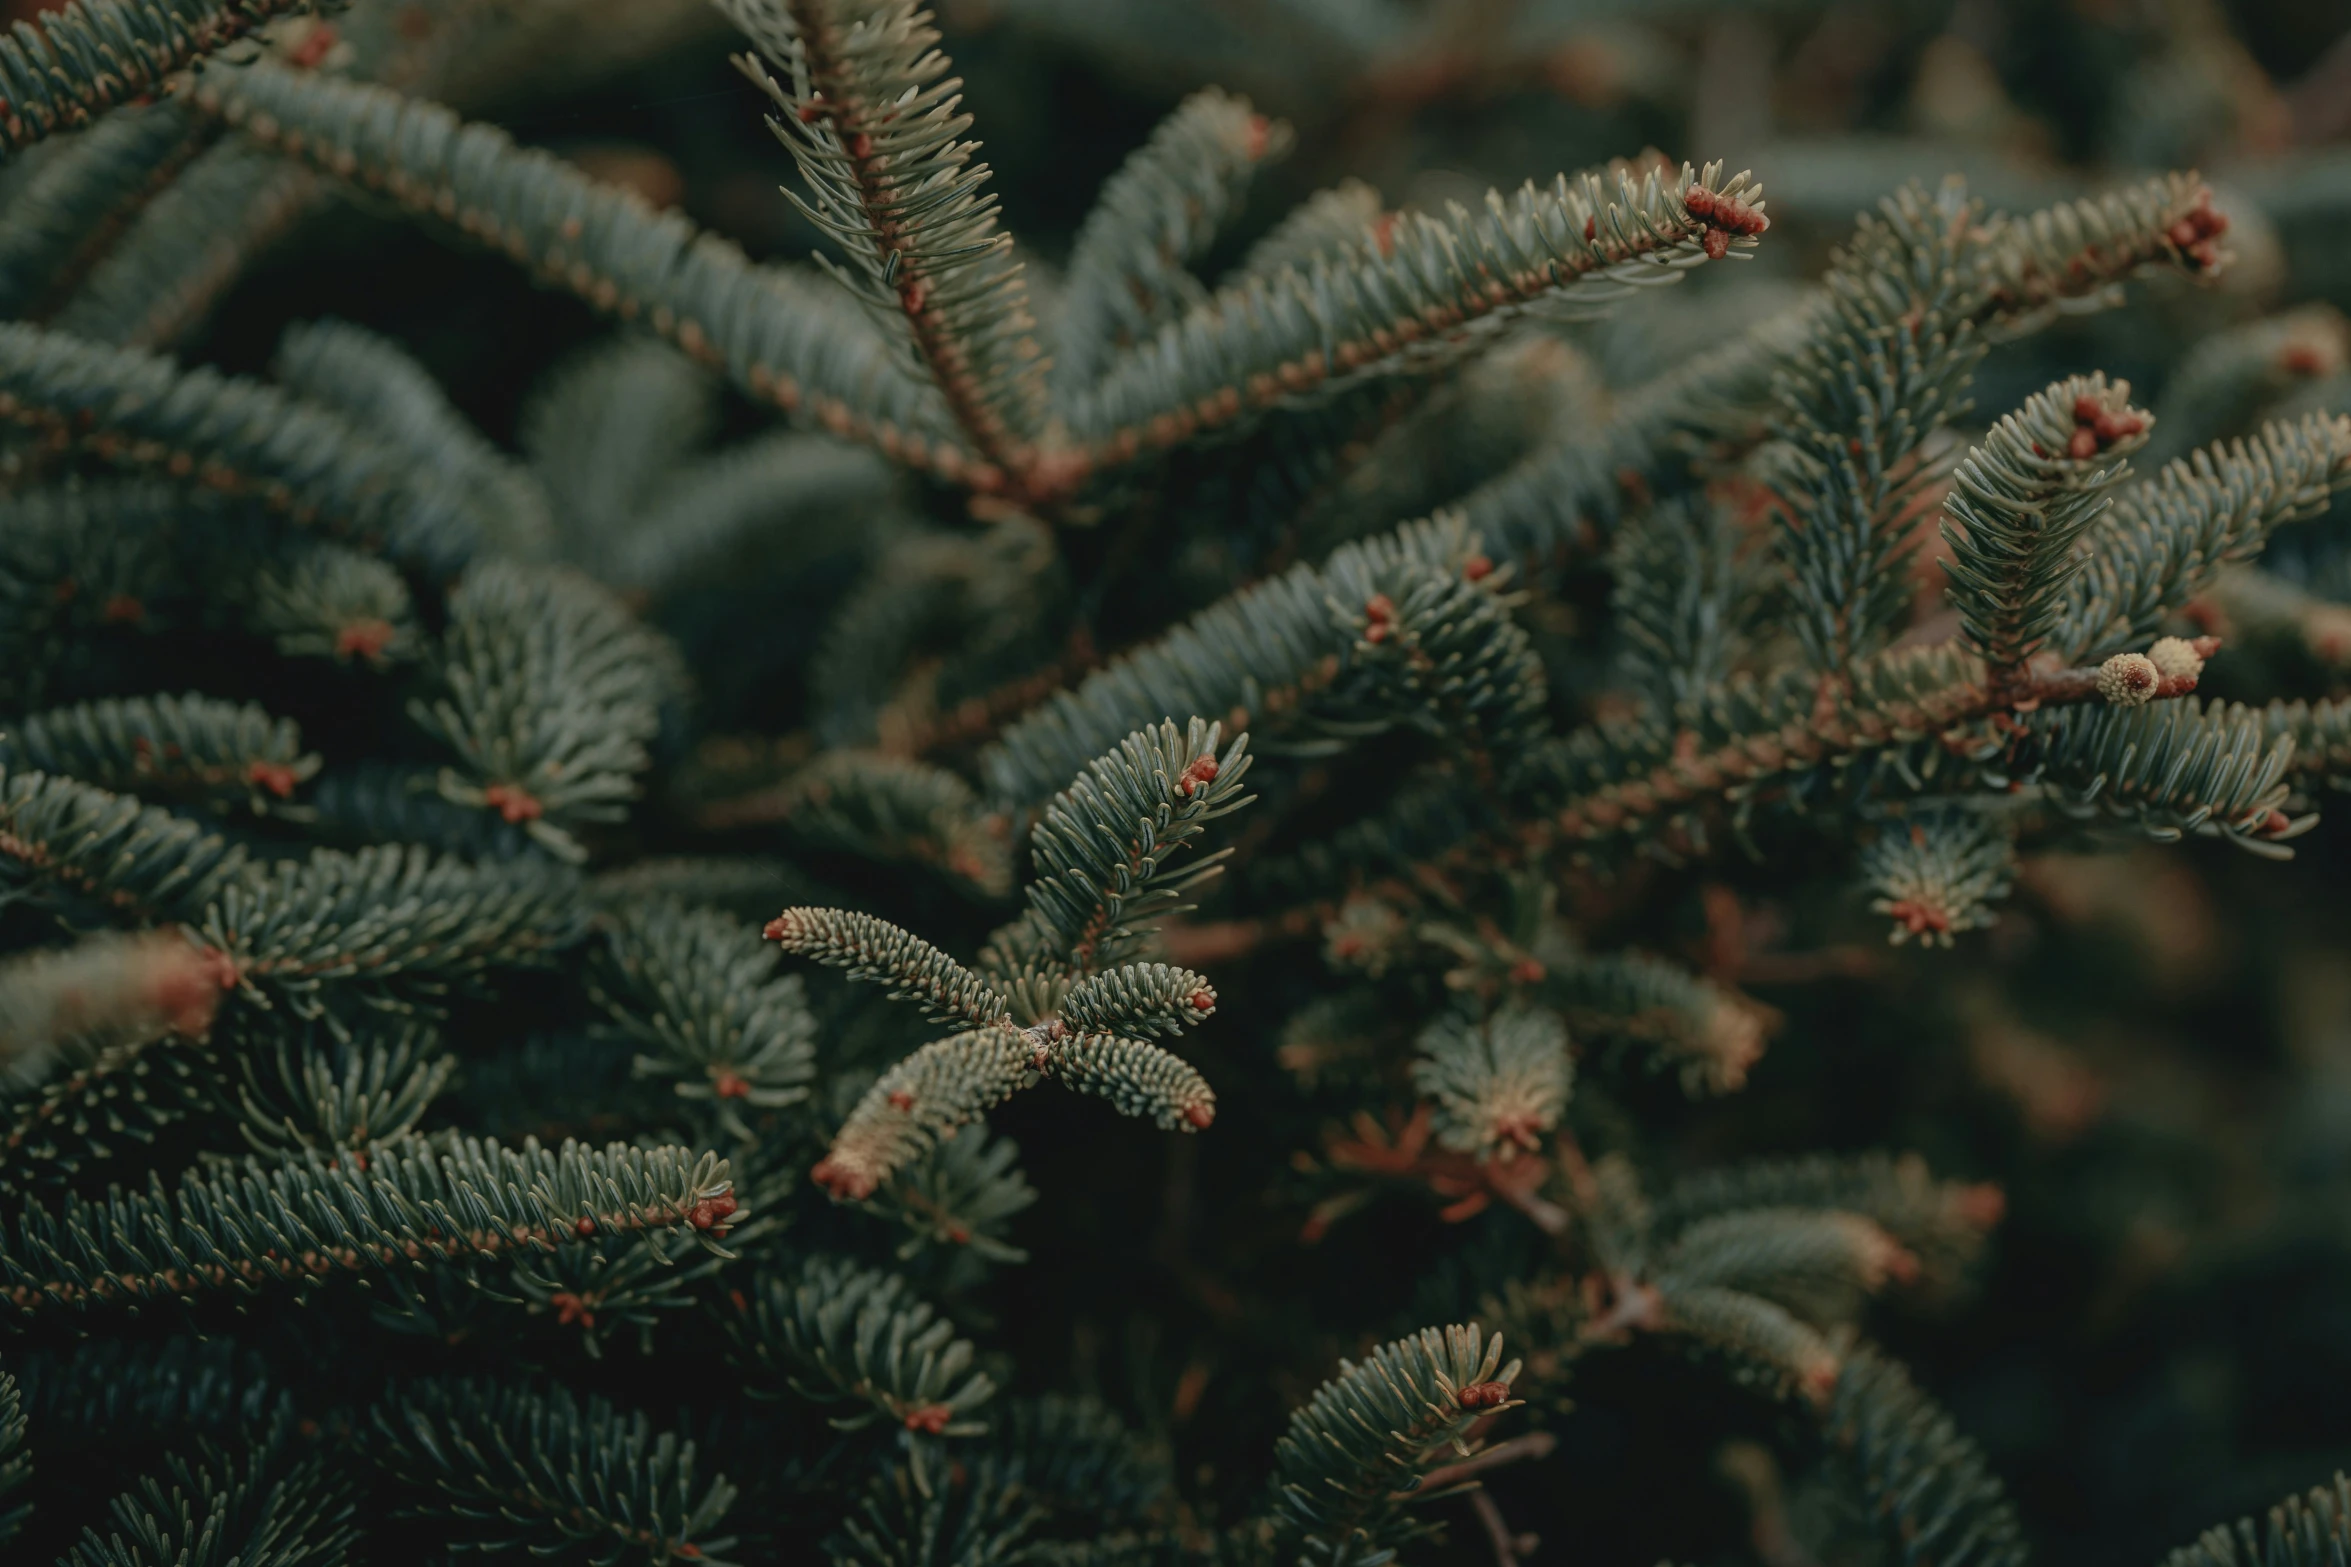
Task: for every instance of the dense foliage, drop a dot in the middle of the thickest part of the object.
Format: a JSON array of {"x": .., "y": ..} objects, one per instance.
[{"x": 1669, "y": 829}]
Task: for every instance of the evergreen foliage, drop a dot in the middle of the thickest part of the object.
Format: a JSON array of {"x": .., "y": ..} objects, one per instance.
[{"x": 460, "y": 841}]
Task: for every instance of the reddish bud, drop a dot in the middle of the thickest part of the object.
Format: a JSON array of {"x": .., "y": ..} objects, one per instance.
[
  {"x": 1255, "y": 137},
  {"x": 123, "y": 610},
  {"x": 1377, "y": 631},
  {"x": 363, "y": 639},
  {"x": 276, "y": 777},
  {"x": 1477, "y": 568},
  {"x": 1380, "y": 607},
  {"x": 585, "y": 1229},
  {"x": 513, "y": 802},
  {"x": 932, "y": 1418},
  {"x": 315, "y": 46},
  {"x": 1980, "y": 1206},
  {"x": 842, "y": 1182},
  {"x": 1200, "y": 1115},
  {"x": 900, "y": 1099},
  {"x": 730, "y": 1084},
  {"x": 2084, "y": 445},
  {"x": 1204, "y": 1000},
  {"x": 1525, "y": 971},
  {"x": 1483, "y": 1395}
]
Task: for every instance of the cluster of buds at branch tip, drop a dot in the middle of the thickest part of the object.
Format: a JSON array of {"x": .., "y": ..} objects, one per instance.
[
  {"x": 1380, "y": 614},
  {"x": 2170, "y": 668},
  {"x": 1483, "y": 1395},
  {"x": 513, "y": 802},
  {"x": 276, "y": 777},
  {"x": 2097, "y": 427},
  {"x": 1203, "y": 770},
  {"x": 2196, "y": 230},
  {"x": 1724, "y": 217},
  {"x": 364, "y": 639}
]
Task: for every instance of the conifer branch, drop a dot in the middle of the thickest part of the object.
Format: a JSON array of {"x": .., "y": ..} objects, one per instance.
[
  {"x": 2068, "y": 256},
  {"x": 1137, "y": 1077},
  {"x": 104, "y": 991},
  {"x": 841, "y": 1334},
  {"x": 2172, "y": 768},
  {"x": 60, "y": 73},
  {"x": 1138, "y": 998},
  {"x": 1435, "y": 289},
  {"x": 1925, "y": 1484},
  {"x": 1498, "y": 1084},
  {"x": 228, "y": 434},
  {"x": 1818, "y": 1265},
  {"x": 2321, "y": 736},
  {"x": 778, "y": 334},
  {"x": 1105, "y": 849},
  {"x": 1743, "y": 736},
  {"x": 82, "y": 197},
  {"x": 2309, "y": 1530},
  {"x": 263, "y": 1503},
  {"x": 307, "y": 1219},
  {"x": 1765, "y": 1343},
  {"x": 545, "y": 1472},
  {"x": 2018, "y": 504},
  {"x": 16, "y": 1466},
  {"x": 1708, "y": 1034},
  {"x": 190, "y": 245},
  {"x": 922, "y": 1100},
  {"x": 887, "y": 809},
  {"x": 2021, "y": 270},
  {"x": 874, "y": 949},
  {"x": 1939, "y": 872},
  {"x": 1297, "y": 650},
  {"x": 1355, "y": 1453},
  {"x": 2166, "y": 539},
  {"x": 701, "y": 989},
  {"x": 981, "y": 1514},
  {"x": 604, "y": 430},
  {"x": 876, "y": 134},
  {"x": 331, "y": 602},
  {"x": 1129, "y": 272},
  {"x": 1856, "y": 404},
  {"x": 191, "y": 748},
  {"x": 342, "y": 1094},
  {"x": 375, "y": 384},
  {"x": 552, "y": 691},
  {"x": 62, "y": 840},
  {"x": 961, "y": 1197},
  {"x": 388, "y": 913}
]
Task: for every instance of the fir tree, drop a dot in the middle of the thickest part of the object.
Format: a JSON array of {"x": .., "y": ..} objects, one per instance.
[{"x": 519, "y": 968}]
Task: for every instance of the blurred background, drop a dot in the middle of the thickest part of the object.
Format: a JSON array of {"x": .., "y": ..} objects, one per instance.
[{"x": 2151, "y": 1051}]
